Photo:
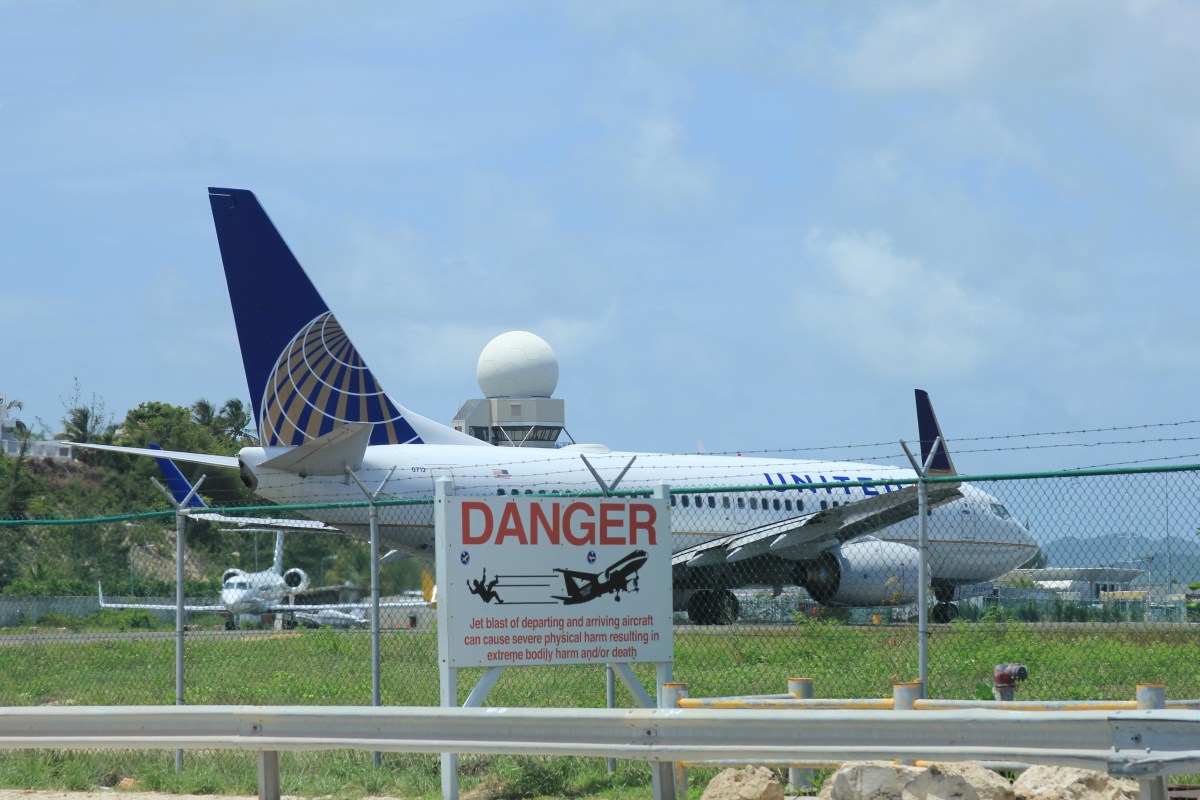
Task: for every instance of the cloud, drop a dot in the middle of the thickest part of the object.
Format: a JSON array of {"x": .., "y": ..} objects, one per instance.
[
  {"x": 660, "y": 168},
  {"x": 893, "y": 314}
]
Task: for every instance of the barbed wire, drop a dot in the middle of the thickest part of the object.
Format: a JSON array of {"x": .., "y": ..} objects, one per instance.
[{"x": 995, "y": 437}]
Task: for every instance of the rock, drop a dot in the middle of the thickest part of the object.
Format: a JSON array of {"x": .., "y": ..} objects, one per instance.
[
  {"x": 958, "y": 781},
  {"x": 1071, "y": 783},
  {"x": 871, "y": 780},
  {"x": 750, "y": 783}
]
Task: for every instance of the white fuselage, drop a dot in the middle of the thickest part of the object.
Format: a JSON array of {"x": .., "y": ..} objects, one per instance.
[
  {"x": 971, "y": 539},
  {"x": 252, "y": 592}
]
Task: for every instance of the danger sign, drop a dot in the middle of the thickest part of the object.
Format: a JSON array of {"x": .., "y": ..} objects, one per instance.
[{"x": 555, "y": 580}]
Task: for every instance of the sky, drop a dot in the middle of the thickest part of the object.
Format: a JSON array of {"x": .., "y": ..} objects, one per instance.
[{"x": 743, "y": 227}]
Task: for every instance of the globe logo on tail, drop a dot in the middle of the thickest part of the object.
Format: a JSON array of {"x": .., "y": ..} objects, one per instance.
[{"x": 320, "y": 382}]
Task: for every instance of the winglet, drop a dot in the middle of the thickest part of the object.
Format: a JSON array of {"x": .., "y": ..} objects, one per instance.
[
  {"x": 179, "y": 486},
  {"x": 930, "y": 431}
]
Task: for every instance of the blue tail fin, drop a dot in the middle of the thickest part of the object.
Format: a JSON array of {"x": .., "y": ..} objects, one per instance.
[
  {"x": 304, "y": 374},
  {"x": 176, "y": 483},
  {"x": 929, "y": 431}
]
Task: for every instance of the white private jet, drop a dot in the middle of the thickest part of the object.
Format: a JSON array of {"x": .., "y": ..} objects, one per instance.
[
  {"x": 273, "y": 591},
  {"x": 321, "y": 413}
]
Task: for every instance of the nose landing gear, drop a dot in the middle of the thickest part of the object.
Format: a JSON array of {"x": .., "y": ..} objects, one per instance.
[{"x": 944, "y": 610}]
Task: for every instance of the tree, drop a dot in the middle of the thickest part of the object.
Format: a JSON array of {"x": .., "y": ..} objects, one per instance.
[
  {"x": 205, "y": 413},
  {"x": 17, "y": 483},
  {"x": 234, "y": 420},
  {"x": 87, "y": 422}
]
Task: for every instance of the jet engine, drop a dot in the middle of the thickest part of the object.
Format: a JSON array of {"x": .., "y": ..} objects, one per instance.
[
  {"x": 295, "y": 579},
  {"x": 230, "y": 574},
  {"x": 865, "y": 572}
]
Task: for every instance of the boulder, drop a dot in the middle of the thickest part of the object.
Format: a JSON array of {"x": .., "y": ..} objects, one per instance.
[
  {"x": 870, "y": 780},
  {"x": 1071, "y": 783},
  {"x": 958, "y": 781},
  {"x": 749, "y": 783}
]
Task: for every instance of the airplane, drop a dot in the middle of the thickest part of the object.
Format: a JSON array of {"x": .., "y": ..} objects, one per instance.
[
  {"x": 272, "y": 591},
  {"x": 262, "y": 592},
  {"x": 322, "y": 416},
  {"x": 584, "y": 586}
]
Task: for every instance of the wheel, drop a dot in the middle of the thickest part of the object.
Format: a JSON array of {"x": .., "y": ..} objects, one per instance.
[
  {"x": 729, "y": 608},
  {"x": 944, "y": 612},
  {"x": 709, "y": 607}
]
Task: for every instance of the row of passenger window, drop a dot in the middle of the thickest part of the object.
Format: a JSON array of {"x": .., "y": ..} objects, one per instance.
[{"x": 710, "y": 501}]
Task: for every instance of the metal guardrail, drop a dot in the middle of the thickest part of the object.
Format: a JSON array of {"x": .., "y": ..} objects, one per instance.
[
  {"x": 1167, "y": 735},
  {"x": 1131, "y": 743}
]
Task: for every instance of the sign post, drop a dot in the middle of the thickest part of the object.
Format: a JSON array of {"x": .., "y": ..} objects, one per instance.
[{"x": 541, "y": 580}]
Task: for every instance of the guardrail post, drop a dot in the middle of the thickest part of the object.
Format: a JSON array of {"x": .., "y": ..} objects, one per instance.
[
  {"x": 268, "y": 775},
  {"x": 672, "y": 693},
  {"x": 904, "y": 698},
  {"x": 905, "y": 695},
  {"x": 801, "y": 689},
  {"x": 1150, "y": 696}
]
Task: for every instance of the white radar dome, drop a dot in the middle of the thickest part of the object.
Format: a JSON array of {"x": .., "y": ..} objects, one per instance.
[{"x": 517, "y": 364}]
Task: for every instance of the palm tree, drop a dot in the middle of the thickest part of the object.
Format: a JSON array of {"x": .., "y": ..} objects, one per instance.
[
  {"x": 234, "y": 419},
  {"x": 204, "y": 413},
  {"x": 79, "y": 424}
]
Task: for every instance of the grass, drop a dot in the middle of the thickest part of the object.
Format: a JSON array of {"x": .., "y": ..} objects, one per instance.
[{"x": 325, "y": 667}]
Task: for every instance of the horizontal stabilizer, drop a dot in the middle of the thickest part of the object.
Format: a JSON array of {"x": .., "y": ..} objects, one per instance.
[{"x": 330, "y": 454}]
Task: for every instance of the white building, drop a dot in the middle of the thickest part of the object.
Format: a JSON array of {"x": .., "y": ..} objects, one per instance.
[{"x": 11, "y": 439}]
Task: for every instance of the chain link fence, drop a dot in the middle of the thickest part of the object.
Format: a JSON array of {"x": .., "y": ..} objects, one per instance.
[{"x": 1094, "y": 601}]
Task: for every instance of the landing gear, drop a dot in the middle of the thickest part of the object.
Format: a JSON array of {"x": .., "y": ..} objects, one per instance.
[
  {"x": 713, "y": 607},
  {"x": 944, "y": 610}
]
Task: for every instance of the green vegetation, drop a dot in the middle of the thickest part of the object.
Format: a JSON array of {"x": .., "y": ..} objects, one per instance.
[{"x": 135, "y": 557}]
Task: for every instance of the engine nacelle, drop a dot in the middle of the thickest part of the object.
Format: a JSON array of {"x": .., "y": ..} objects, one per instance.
[
  {"x": 867, "y": 572},
  {"x": 295, "y": 579},
  {"x": 230, "y": 574}
]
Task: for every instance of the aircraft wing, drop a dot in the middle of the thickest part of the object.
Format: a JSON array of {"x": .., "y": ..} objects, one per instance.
[
  {"x": 225, "y": 462},
  {"x": 306, "y": 607},
  {"x": 274, "y": 523},
  {"x": 807, "y": 535},
  {"x": 154, "y": 606}
]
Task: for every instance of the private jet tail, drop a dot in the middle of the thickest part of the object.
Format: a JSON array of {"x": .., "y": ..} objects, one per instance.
[{"x": 304, "y": 374}]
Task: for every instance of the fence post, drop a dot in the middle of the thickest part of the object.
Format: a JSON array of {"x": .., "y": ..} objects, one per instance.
[
  {"x": 373, "y": 518},
  {"x": 922, "y": 471},
  {"x": 181, "y": 515}
]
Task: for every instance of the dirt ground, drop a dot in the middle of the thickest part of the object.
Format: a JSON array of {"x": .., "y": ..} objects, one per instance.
[{"x": 109, "y": 794}]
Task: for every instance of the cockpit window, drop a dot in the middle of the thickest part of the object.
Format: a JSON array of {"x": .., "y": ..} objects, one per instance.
[{"x": 1000, "y": 511}]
